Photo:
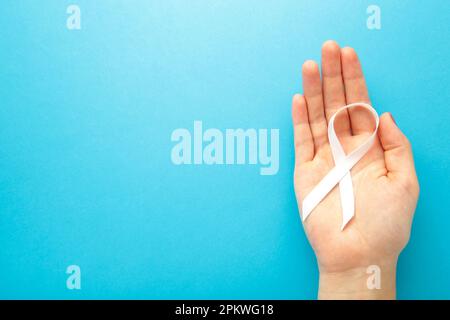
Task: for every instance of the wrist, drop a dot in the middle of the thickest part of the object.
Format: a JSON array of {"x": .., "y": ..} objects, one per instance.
[{"x": 373, "y": 281}]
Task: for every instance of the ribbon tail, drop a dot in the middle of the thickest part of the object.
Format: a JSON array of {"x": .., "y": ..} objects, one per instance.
[
  {"x": 324, "y": 187},
  {"x": 347, "y": 199}
]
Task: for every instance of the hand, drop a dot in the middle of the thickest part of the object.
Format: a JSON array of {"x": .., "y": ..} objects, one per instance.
[{"x": 384, "y": 180}]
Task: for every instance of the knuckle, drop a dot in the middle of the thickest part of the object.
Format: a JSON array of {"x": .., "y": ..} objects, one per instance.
[{"x": 411, "y": 185}]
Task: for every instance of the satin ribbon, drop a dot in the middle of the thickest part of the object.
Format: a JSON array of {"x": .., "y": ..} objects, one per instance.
[{"x": 341, "y": 172}]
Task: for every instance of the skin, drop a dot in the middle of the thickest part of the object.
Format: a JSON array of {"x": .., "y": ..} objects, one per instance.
[{"x": 385, "y": 184}]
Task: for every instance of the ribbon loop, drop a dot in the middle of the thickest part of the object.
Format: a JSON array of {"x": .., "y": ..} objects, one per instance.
[{"x": 341, "y": 172}]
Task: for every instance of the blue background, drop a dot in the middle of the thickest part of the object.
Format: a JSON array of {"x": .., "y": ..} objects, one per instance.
[{"x": 85, "y": 124}]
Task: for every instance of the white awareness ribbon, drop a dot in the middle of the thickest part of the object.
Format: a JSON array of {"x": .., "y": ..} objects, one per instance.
[{"x": 341, "y": 172}]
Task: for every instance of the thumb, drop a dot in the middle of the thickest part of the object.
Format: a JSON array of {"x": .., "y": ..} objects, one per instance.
[{"x": 397, "y": 149}]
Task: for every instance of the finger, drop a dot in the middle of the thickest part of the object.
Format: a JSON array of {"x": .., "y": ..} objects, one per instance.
[
  {"x": 397, "y": 151},
  {"x": 333, "y": 86},
  {"x": 312, "y": 87},
  {"x": 304, "y": 145},
  {"x": 355, "y": 91}
]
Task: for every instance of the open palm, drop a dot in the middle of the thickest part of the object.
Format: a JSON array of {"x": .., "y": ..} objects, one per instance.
[{"x": 384, "y": 180}]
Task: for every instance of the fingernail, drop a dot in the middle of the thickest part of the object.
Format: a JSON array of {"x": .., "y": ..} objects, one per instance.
[{"x": 392, "y": 118}]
